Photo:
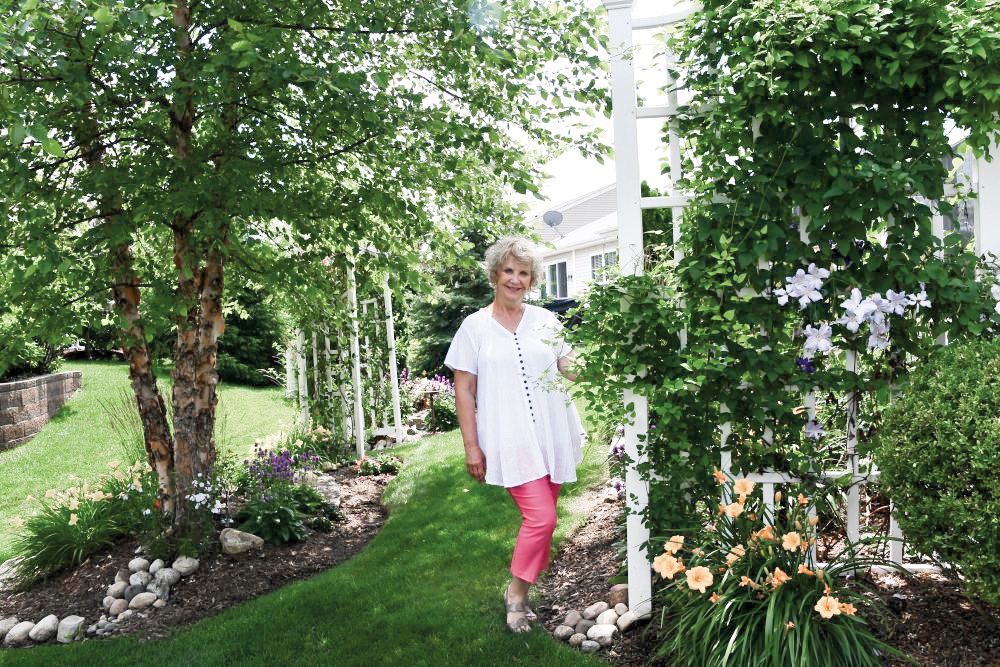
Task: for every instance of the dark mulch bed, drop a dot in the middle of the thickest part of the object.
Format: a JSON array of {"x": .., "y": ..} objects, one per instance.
[
  {"x": 933, "y": 623},
  {"x": 221, "y": 581},
  {"x": 930, "y": 619}
]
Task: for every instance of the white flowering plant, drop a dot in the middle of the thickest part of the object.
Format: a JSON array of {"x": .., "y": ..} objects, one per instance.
[{"x": 747, "y": 590}]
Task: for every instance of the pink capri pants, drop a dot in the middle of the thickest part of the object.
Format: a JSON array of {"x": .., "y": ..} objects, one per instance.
[{"x": 536, "y": 501}]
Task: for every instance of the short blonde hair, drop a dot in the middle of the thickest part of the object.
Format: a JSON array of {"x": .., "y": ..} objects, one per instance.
[{"x": 518, "y": 248}]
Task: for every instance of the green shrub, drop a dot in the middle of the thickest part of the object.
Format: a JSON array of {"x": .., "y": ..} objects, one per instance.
[
  {"x": 747, "y": 591},
  {"x": 248, "y": 349},
  {"x": 939, "y": 451}
]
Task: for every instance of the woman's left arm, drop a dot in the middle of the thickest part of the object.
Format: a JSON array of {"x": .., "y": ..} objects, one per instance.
[{"x": 567, "y": 366}]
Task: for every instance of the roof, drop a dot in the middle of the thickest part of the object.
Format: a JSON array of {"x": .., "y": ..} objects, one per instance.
[{"x": 577, "y": 213}]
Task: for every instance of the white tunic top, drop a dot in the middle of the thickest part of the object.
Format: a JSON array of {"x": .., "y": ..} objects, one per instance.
[{"x": 526, "y": 422}]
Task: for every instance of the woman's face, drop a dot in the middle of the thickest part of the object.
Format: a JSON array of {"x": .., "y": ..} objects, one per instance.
[{"x": 513, "y": 281}]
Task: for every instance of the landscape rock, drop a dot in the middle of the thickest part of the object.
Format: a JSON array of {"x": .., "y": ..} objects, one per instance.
[
  {"x": 236, "y": 541},
  {"x": 108, "y": 599},
  {"x": 609, "y": 617},
  {"x": 140, "y": 578},
  {"x": 330, "y": 490},
  {"x": 160, "y": 603},
  {"x": 122, "y": 576},
  {"x": 185, "y": 565},
  {"x": 8, "y": 574},
  {"x": 116, "y": 608},
  {"x": 6, "y": 624},
  {"x": 117, "y": 589},
  {"x": 132, "y": 590},
  {"x": 588, "y": 646},
  {"x": 70, "y": 629},
  {"x": 627, "y": 620},
  {"x": 572, "y": 618},
  {"x": 618, "y": 594},
  {"x": 577, "y": 639},
  {"x": 620, "y": 608},
  {"x": 168, "y": 576},
  {"x": 138, "y": 565},
  {"x": 122, "y": 616},
  {"x": 159, "y": 589},
  {"x": 563, "y": 632},
  {"x": 595, "y": 610},
  {"x": 584, "y": 625},
  {"x": 45, "y": 629},
  {"x": 142, "y": 600},
  {"x": 602, "y": 634},
  {"x": 156, "y": 565},
  {"x": 18, "y": 634}
]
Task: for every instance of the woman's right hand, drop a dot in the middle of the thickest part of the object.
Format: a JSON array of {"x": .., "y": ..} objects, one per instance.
[{"x": 475, "y": 463}]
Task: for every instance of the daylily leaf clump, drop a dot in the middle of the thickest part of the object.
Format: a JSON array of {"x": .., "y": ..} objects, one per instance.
[{"x": 748, "y": 585}]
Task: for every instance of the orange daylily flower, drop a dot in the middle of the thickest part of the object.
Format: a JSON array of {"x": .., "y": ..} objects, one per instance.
[
  {"x": 673, "y": 545},
  {"x": 789, "y": 625},
  {"x": 828, "y": 607},
  {"x": 813, "y": 520},
  {"x": 779, "y": 577},
  {"x": 720, "y": 476},
  {"x": 803, "y": 500},
  {"x": 733, "y": 510},
  {"x": 804, "y": 570},
  {"x": 699, "y": 578},
  {"x": 848, "y": 608},
  {"x": 791, "y": 541},
  {"x": 667, "y": 566},
  {"x": 747, "y": 581},
  {"x": 743, "y": 486},
  {"x": 714, "y": 598},
  {"x": 735, "y": 554},
  {"x": 765, "y": 533}
]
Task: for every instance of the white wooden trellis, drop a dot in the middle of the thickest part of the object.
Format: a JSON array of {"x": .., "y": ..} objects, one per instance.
[
  {"x": 296, "y": 367},
  {"x": 625, "y": 114}
]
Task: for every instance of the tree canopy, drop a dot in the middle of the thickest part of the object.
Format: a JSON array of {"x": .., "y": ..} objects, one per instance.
[{"x": 154, "y": 150}]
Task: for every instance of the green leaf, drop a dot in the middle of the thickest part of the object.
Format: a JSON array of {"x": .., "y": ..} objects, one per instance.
[
  {"x": 104, "y": 17},
  {"x": 52, "y": 147},
  {"x": 18, "y": 133}
]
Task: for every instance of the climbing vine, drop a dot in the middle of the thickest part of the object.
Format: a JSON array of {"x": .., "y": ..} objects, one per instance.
[{"x": 818, "y": 145}]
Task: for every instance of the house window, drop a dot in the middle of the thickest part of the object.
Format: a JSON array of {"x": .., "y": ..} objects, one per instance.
[
  {"x": 601, "y": 265},
  {"x": 554, "y": 284}
]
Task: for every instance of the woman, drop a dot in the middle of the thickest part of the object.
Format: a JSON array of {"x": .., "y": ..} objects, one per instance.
[{"x": 520, "y": 428}]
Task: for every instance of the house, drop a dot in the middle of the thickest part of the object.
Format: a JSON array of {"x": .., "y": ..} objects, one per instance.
[{"x": 579, "y": 242}]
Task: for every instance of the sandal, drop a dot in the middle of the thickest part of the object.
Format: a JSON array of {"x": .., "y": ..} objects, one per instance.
[{"x": 521, "y": 623}]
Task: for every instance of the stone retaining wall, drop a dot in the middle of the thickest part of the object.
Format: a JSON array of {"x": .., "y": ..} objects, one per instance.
[{"x": 26, "y": 406}]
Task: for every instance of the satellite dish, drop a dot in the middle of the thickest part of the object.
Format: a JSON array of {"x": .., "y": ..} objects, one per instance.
[{"x": 553, "y": 218}]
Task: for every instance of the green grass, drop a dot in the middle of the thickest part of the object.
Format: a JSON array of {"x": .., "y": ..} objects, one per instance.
[
  {"x": 426, "y": 591},
  {"x": 79, "y": 439}
]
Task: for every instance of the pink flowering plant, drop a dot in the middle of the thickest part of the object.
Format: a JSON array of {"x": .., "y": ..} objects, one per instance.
[{"x": 747, "y": 589}]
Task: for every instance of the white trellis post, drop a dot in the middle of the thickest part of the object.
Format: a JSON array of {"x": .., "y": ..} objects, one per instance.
[
  {"x": 986, "y": 205},
  {"x": 289, "y": 370},
  {"x": 630, "y": 257},
  {"x": 300, "y": 344},
  {"x": 359, "y": 416},
  {"x": 390, "y": 336}
]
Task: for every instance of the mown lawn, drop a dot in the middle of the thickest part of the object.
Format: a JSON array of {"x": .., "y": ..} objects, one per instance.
[
  {"x": 80, "y": 441},
  {"x": 426, "y": 591}
]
